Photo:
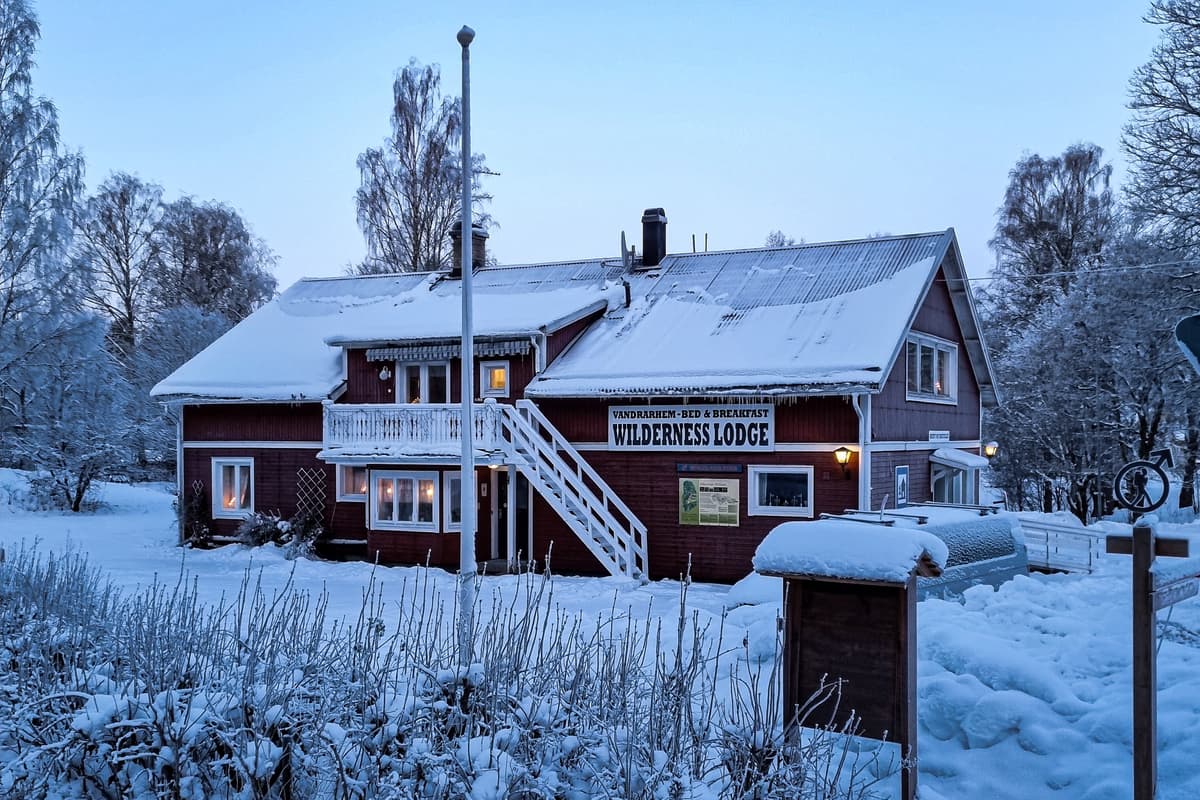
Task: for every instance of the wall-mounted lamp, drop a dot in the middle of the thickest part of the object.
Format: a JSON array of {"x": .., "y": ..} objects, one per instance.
[
  {"x": 385, "y": 373},
  {"x": 991, "y": 448},
  {"x": 842, "y": 456}
]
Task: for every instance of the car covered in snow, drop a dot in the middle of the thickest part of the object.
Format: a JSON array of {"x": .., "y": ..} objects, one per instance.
[{"x": 986, "y": 546}]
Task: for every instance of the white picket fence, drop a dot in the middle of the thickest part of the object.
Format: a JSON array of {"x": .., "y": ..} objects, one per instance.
[{"x": 1061, "y": 548}]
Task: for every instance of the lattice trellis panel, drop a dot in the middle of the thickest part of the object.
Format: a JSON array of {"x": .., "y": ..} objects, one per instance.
[{"x": 310, "y": 492}]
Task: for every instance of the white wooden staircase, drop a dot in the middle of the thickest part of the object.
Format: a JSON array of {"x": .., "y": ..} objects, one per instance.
[{"x": 589, "y": 506}]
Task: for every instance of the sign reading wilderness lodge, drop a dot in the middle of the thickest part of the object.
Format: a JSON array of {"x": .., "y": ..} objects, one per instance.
[{"x": 727, "y": 427}]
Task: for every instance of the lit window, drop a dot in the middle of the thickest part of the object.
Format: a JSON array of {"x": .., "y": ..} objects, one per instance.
[
  {"x": 423, "y": 383},
  {"x": 351, "y": 482},
  {"x": 452, "y": 494},
  {"x": 931, "y": 369},
  {"x": 404, "y": 501},
  {"x": 233, "y": 487},
  {"x": 493, "y": 378},
  {"x": 781, "y": 491}
]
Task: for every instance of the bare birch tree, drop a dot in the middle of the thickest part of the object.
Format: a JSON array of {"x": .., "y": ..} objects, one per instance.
[{"x": 410, "y": 195}]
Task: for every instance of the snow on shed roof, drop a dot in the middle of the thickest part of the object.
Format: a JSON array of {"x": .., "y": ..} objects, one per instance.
[
  {"x": 290, "y": 349},
  {"x": 814, "y": 318},
  {"x": 836, "y": 548}
]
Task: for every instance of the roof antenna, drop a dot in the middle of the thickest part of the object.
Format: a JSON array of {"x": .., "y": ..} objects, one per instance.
[{"x": 626, "y": 258}]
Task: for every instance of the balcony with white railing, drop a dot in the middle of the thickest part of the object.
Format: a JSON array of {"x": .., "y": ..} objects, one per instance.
[{"x": 416, "y": 430}]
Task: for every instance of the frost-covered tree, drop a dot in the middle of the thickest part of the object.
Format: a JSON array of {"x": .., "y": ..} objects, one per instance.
[
  {"x": 73, "y": 414},
  {"x": 211, "y": 260},
  {"x": 411, "y": 190},
  {"x": 171, "y": 338},
  {"x": 117, "y": 246},
  {"x": 1163, "y": 138},
  {"x": 779, "y": 239},
  {"x": 38, "y": 186},
  {"x": 1056, "y": 216}
]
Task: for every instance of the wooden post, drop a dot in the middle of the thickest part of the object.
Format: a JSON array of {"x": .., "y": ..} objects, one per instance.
[{"x": 1145, "y": 694}]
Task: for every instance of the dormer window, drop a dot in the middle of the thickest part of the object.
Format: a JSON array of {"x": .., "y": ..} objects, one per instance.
[
  {"x": 932, "y": 370},
  {"x": 493, "y": 378}
]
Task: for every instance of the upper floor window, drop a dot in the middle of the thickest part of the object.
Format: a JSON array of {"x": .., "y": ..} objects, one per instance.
[
  {"x": 424, "y": 383},
  {"x": 932, "y": 369},
  {"x": 233, "y": 487},
  {"x": 493, "y": 378}
]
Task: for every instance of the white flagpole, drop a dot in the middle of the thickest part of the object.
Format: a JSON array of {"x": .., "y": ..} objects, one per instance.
[{"x": 466, "y": 553}]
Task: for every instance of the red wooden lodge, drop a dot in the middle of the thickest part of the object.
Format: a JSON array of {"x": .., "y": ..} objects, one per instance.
[{"x": 633, "y": 412}]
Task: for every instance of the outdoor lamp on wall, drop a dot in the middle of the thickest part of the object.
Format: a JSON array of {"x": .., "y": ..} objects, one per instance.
[
  {"x": 842, "y": 456},
  {"x": 385, "y": 373},
  {"x": 991, "y": 448}
]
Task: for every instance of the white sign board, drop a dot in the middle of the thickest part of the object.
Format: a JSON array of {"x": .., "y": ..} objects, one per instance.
[
  {"x": 698, "y": 427},
  {"x": 939, "y": 436}
]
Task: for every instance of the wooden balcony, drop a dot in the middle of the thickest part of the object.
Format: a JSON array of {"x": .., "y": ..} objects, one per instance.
[{"x": 416, "y": 430}]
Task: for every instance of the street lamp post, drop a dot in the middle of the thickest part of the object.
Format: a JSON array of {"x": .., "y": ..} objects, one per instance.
[{"x": 466, "y": 553}]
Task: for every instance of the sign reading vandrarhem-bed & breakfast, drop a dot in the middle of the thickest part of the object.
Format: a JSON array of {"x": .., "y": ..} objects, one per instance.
[{"x": 694, "y": 427}]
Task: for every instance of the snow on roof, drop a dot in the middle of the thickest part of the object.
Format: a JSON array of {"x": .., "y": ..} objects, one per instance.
[
  {"x": 420, "y": 315},
  {"x": 808, "y": 319},
  {"x": 284, "y": 351},
  {"x": 958, "y": 458},
  {"x": 837, "y": 548},
  {"x": 813, "y": 318}
]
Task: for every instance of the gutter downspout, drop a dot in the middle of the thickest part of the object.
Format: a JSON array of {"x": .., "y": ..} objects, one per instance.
[
  {"x": 864, "y": 453},
  {"x": 539, "y": 352}
]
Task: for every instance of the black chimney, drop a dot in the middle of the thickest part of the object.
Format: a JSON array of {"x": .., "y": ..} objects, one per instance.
[
  {"x": 654, "y": 236},
  {"x": 478, "y": 249}
]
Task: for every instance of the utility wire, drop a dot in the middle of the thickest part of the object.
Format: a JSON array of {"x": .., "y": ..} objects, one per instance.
[{"x": 1086, "y": 270}]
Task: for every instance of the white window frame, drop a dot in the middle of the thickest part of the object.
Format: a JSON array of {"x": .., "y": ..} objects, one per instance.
[
  {"x": 484, "y": 385},
  {"x": 218, "y": 487},
  {"x": 375, "y": 523},
  {"x": 758, "y": 510},
  {"x": 402, "y": 380},
  {"x": 962, "y": 483},
  {"x": 951, "y": 381},
  {"x": 347, "y": 494},
  {"x": 447, "y": 477}
]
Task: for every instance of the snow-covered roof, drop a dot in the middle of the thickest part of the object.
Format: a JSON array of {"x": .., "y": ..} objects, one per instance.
[
  {"x": 808, "y": 319},
  {"x": 291, "y": 348},
  {"x": 814, "y": 318},
  {"x": 837, "y": 548},
  {"x": 958, "y": 458}
]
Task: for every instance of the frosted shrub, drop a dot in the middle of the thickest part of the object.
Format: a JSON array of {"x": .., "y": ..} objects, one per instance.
[
  {"x": 157, "y": 695},
  {"x": 261, "y": 527}
]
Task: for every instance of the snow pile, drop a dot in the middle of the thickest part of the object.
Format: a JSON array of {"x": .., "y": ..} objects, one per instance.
[{"x": 844, "y": 549}]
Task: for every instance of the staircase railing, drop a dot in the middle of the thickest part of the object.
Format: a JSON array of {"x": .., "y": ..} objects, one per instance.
[{"x": 605, "y": 524}]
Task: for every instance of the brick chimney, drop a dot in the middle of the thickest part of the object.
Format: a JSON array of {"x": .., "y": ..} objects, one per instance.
[
  {"x": 654, "y": 236},
  {"x": 478, "y": 249}
]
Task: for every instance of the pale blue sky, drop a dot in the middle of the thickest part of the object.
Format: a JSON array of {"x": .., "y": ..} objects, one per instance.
[{"x": 826, "y": 120}]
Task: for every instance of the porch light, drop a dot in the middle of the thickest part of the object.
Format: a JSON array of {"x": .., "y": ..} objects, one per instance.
[
  {"x": 842, "y": 456},
  {"x": 385, "y": 373},
  {"x": 991, "y": 448}
]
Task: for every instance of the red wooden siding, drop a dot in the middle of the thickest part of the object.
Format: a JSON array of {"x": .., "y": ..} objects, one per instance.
[
  {"x": 812, "y": 419},
  {"x": 364, "y": 386},
  {"x": 893, "y": 418},
  {"x": 274, "y": 422},
  {"x": 649, "y": 485},
  {"x": 562, "y": 338},
  {"x": 274, "y": 478}
]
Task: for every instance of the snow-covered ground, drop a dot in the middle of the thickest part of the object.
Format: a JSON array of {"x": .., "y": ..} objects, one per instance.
[{"x": 1023, "y": 692}]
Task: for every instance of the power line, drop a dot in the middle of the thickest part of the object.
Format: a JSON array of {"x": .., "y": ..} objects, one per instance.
[{"x": 1088, "y": 270}]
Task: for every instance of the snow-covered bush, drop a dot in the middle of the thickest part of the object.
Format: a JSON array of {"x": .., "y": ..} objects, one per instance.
[
  {"x": 157, "y": 695},
  {"x": 262, "y": 527}
]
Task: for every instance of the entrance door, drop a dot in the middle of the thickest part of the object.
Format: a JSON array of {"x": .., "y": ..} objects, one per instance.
[{"x": 500, "y": 542}]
